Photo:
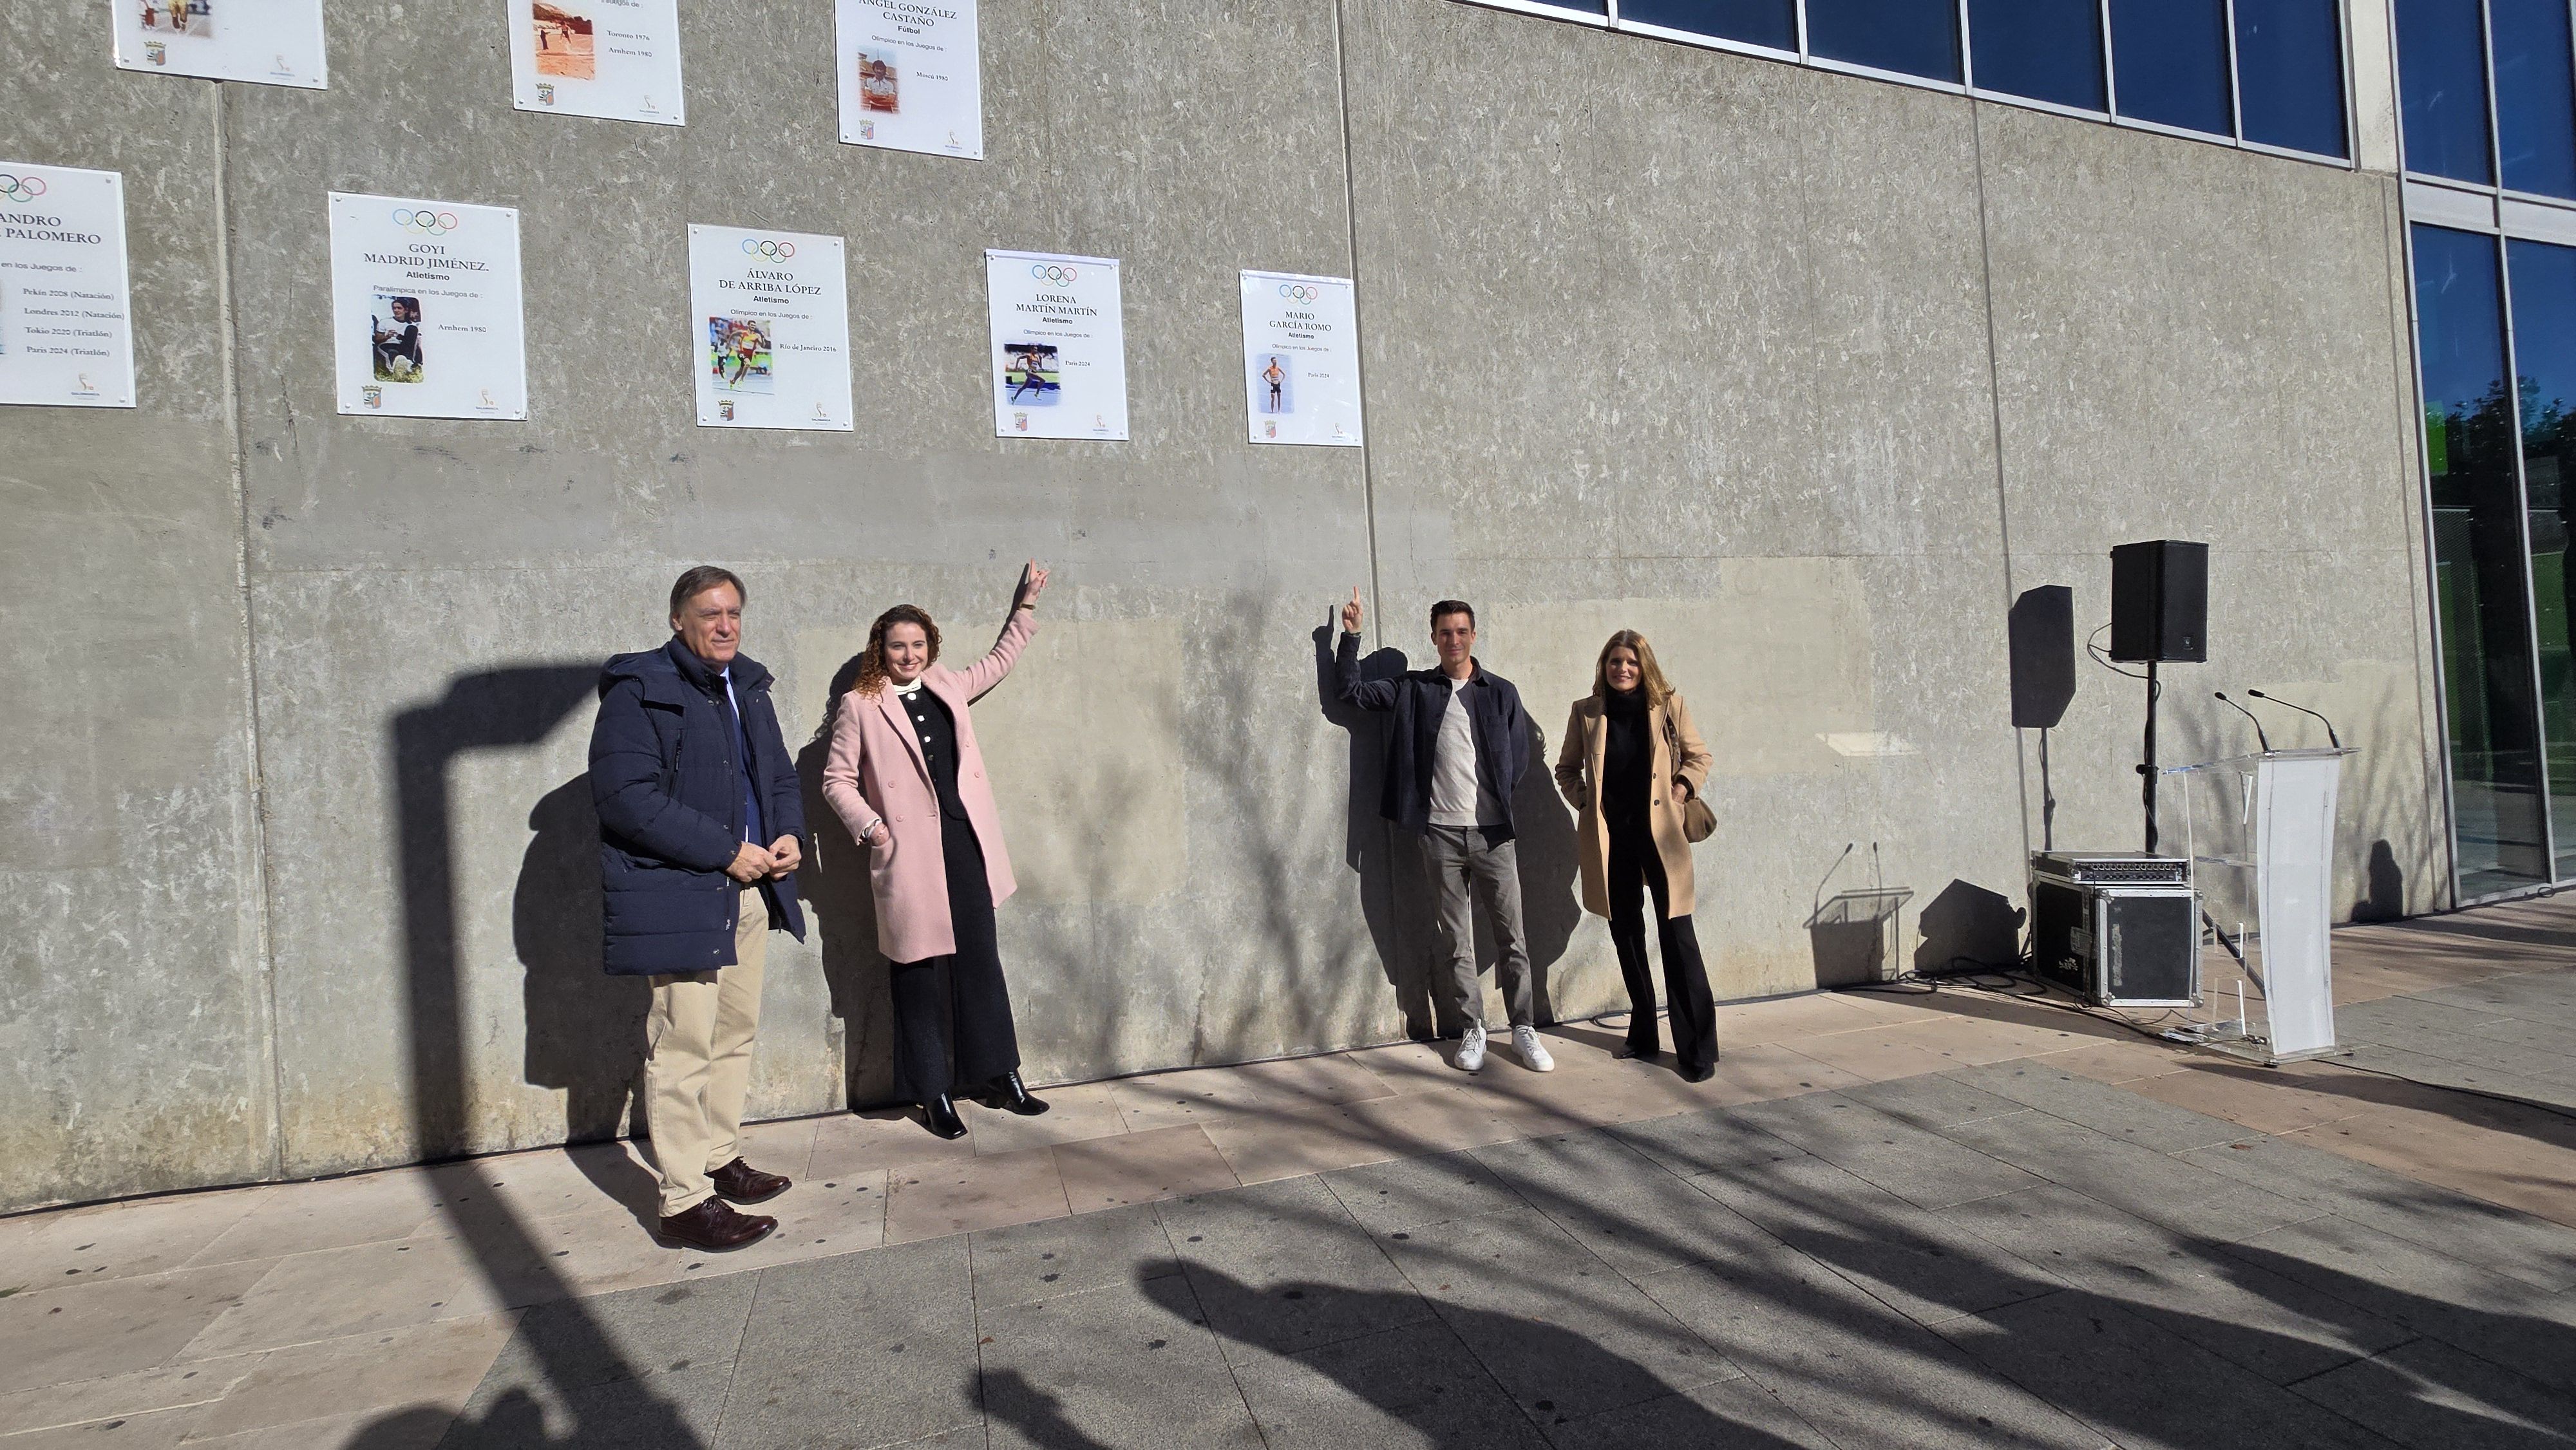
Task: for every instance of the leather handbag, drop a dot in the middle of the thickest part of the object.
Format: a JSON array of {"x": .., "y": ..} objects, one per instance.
[{"x": 1698, "y": 821}]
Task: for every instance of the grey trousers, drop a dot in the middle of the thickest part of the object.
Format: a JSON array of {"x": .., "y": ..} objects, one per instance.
[{"x": 1465, "y": 872}]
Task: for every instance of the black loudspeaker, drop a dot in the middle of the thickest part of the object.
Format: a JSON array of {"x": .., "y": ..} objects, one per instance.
[{"x": 2160, "y": 601}]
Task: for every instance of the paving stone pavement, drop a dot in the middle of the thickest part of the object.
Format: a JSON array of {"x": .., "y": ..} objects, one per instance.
[{"x": 2064, "y": 1236}]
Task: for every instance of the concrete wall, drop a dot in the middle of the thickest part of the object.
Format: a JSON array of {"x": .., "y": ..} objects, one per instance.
[{"x": 1807, "y": 376}]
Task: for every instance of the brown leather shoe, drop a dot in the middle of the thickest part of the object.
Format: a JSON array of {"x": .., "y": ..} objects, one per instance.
[
  {"x": 715, "y": 1227},
  {"x": 743, "y": 1183}
]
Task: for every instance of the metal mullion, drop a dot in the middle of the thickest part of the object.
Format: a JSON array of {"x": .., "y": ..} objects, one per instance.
[
  {"x": 2235, "y": 81},
  {"x": 2424, "y": 473},
  {"x": 2486, "y": 65},
  {"x": 2351, "y": 118},
  {"x": 1967, "y": 53},
  {"x": 2521, "y": 476},
  {"x": 1804, "y": 54},
  {"x": 2110, "y": 72},
  {"x": 2522, "y": 530}
]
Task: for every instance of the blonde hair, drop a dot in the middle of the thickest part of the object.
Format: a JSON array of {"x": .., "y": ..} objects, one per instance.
[{"x": 1650, "y": 676}]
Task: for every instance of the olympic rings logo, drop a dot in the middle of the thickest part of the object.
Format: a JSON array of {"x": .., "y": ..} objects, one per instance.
[
  {"x": 1055, "y": 272},
  {"x": 768, "y": 251},
  {"x": 20, "y": 188},
  {"x": 436, "y": 223},
  {"x": 1299, "y": 292}
]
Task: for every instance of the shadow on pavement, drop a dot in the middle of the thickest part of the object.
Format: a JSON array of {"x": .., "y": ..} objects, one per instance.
[{"x": 502, "y": 709}]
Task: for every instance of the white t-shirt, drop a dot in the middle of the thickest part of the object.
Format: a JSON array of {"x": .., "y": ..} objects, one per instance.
[{"x": 1456, "y": 798}]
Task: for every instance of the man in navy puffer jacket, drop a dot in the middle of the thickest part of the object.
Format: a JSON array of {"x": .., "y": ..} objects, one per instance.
[{"x": 701, "y": 825}]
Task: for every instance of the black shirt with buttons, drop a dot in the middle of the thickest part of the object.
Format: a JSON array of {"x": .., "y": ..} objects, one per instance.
[{"x": 936, "y": 729}]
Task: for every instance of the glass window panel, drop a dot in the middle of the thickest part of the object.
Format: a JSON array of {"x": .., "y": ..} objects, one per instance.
[
  {"x": 2535, "y": 100},
  {"x": 2169, "y": 63},
  {"x": 2442, "y": 84},
  {"x": 2544, "y": 357},
  {"x": 2048, "y": 50},
  {"x": 2289, "y": 73},
  {"x": 2493, "y": 730},
  {"x": 1911, "y": 37},
  {"x": 1756, "y": 22}
]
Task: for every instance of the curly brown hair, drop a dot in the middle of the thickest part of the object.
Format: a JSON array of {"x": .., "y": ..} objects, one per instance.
[{"x": 872, "y": 671}]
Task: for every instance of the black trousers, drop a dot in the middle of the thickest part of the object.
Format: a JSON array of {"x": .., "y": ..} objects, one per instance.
[
  {"x": 952, "y": 1014},
  {"x": 1636, "y": 867}
]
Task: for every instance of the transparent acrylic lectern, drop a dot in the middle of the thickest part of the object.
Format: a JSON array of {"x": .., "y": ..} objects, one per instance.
[{"x": 2260, "y": 833}]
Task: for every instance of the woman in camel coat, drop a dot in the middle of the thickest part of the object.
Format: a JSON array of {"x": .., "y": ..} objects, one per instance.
[
  {"x": 906, "y": 775},
  {"x": 1631, "y": 761}
]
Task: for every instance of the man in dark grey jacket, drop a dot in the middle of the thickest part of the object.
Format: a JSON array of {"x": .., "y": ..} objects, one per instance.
[
  {"x": 701, "y": 827},
  {"x": 1459, "y": 745}
]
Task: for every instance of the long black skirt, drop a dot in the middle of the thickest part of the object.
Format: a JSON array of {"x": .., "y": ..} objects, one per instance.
[{"x": 953, "y": 1029}]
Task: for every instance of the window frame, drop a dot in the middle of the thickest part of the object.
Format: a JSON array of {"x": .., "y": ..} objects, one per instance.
[{"x": 1805, "y": 57}]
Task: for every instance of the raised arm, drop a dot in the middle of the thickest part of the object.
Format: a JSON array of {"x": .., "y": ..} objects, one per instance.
[
  {"x": 626, "y": 789},
  {"x": 841, "y": 769},
  {"x": 980, "y": 677},
  {"x": 1367, "y": 694},
  {"x": 1570, "y": 759}
]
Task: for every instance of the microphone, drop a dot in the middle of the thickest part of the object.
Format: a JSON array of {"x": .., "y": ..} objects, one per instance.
[
  {"x": 2302, "y": 709},
  {"x": 1819, "y": 902},
  {"x": 2221, "y": 697}
]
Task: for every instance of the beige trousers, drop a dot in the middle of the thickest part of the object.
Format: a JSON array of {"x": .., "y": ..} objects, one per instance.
[{"x": 700, "y": 1033}]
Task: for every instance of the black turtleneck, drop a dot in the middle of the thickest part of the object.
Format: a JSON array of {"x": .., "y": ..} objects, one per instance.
[{"x": 1627, "y": 755}]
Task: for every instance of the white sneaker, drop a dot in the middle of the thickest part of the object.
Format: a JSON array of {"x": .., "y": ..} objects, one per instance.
[
  {"x": 1533, "y": 1053},
  {"x": 1471, "y": 1051}
]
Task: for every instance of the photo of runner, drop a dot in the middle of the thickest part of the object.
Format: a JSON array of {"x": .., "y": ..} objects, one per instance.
[
  {"x": 395, "y": 335},
  {"x": 1275, "y": 375},
  {"x": 738, "y": 354},
  {"x": 877, "y": 90},
  {"x": 566, "y": 46},
  {"x": 1029, "y": 374}
]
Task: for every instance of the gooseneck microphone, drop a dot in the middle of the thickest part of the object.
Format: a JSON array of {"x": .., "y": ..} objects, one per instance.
[
  {"x": 2264, "y": 740},
  {"x": 2302, "y": 709}
]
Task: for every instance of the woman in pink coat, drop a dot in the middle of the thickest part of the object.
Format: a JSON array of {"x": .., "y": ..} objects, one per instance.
[{"x": 907, "y": 777}]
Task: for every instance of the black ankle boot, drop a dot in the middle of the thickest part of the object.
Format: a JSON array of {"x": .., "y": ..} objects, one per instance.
[
  {"x": 1007, "y": 1092},
  {"x": 941, "y": 1115}
]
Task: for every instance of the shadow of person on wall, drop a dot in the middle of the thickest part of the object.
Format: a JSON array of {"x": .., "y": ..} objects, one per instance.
[
  {"x": 833, "y": 884},
  {"x": 1389, "y": 870},
  {"x": 585, "y": 1028},
  {"x": 1545, "y": 847},
  {"x": 2383, "y": 886}
]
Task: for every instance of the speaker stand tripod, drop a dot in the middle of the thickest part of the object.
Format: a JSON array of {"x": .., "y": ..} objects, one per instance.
[{"x": 2147, "y": 790}]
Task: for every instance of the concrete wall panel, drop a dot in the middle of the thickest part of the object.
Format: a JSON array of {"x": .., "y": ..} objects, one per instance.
[{"x": 133, "y": 1003}]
